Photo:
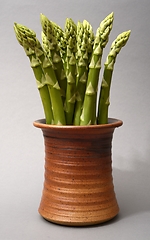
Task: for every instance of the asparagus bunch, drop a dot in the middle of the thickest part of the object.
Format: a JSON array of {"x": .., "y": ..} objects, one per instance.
[
  {"x": 67, "y": 67},
  {"x": 104, "y": 103}
]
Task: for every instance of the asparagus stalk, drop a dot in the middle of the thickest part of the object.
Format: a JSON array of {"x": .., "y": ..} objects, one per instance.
[
  {"x": 61, "y": 75},
  {"x": 53, "y": 86},
  {"x": 104, "y": 103},
  {"x": 88, "y": 115},
  {"x": 38, "y": 73},
  {"x": 70, "y": 37},
  {"x": 53, "y": 50},
  {"x": 31, "y": 41},
  {"x": 82, "y": 69}
]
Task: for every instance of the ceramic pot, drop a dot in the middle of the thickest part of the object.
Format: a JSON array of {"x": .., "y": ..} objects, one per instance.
[{"x": 78, "y": 187}]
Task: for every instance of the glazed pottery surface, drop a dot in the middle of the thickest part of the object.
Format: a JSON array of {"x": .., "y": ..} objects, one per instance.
[{"x": 78, "y": 186}]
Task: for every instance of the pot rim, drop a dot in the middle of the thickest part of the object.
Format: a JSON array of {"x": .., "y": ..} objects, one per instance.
[{"x": 112, "y": 123}]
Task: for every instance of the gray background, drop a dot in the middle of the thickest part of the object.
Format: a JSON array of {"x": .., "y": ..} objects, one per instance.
[{"x": 21, "y": 145}]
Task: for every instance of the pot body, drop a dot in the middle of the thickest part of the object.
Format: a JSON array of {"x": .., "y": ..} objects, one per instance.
[{"x": 78, "y": 186}]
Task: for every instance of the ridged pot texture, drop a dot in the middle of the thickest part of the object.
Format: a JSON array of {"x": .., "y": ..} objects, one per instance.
[{"x": 78, "y": 186}]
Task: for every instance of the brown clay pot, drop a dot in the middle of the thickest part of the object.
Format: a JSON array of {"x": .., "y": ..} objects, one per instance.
[{"x": 78, "y": 186}]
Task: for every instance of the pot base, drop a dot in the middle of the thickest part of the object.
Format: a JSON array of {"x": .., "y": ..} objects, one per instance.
[{"x": 77, "y": 222}]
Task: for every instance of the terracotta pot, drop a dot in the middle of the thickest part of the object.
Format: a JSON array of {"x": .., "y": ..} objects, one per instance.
[{"x": 78, "y": 186}]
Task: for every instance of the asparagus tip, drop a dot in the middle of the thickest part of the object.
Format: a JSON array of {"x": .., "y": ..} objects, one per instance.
[{"x": 43, "y": 18}]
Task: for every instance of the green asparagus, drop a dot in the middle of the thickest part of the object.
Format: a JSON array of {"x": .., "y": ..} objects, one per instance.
[
  {"x": 30, "y": 40},
  {"x": 70, "y": 36},
  {"x": 88, "y": 28},
  {"x": 67, "y": 67},
  {"x": 104, "y": 103},
  {"x": 88, "y": 115},
  {"x": 60, "y": 37},
  {"x": 38, "y": 72},
  {"x": 82, "y": 69},
  {"x": 53, "y": 51}
]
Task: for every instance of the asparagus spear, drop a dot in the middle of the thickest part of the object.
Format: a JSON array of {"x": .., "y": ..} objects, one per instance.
[
  {"x": 87, "y": 26},
  {"x": 38, "y": 73},
  {"x": 53, "y": 50},
  {"x": 70, "y": 36},
  {"x": 61, "y": 75},
  {"x": 104, "y": 103},
  {"x": 31, "y": 41},
  {"x": 62, "y": 43},
  {"x": 60, "y": 37},
  {"x": 82, "y": 69},
  {"x": 88, "y": 115},
  {"x": 46, "y": 46}
]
